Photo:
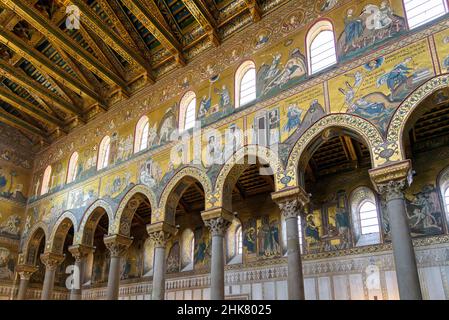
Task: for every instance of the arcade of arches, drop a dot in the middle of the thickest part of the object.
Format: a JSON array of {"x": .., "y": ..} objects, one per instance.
[{"x": 304, "y": 158}]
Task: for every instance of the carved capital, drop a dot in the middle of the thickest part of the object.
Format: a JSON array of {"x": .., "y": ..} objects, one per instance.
[
  {"x": 392, "y": 180},
  {"x": 160, "y": 233},
  {"x": 51, "y": 260},
  {"x": 80, "y": 251},
  {"x": 393, "y": 189},
  {"x": 217, "y": 220},
  {"x": 117, "y": 244},
  {"x": 25, "y": 271},
  {"x": 291, "y": 201}
]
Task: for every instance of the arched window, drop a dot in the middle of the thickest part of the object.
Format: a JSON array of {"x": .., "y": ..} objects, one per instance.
[
  {"x": 368, "y": 218},
  {"x": 73, "y": 166},
  {"x": 443, "y": 183},
  {"x": 365, "y": 216},
  {"x": 321, "y": 46},
  {"x": 103, "y": 153},
  {"x": 187, "y": 111},
  {"x": 238, "y": 241},
  {"x": 46, "y": 180},
  {"x": 141, "y": 138},
  {"x": 420, "y": 12},
  {"x": 245, "y": 84}
]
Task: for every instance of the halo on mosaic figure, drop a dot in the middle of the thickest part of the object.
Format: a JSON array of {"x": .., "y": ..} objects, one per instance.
[
  {"x": 128, "y": 206},
  {"x": 175, "y": 188},
  {"x": 236, "y": 165},
  {"x": 60, "y": 230},
  {"x": 90, "y": 220},
  {"x": 402, "y": 115},
  {"x": 353, "y": 125}
]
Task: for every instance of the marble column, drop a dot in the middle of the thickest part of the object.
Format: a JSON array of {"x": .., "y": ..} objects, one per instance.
[
  {"x": 159, "y": 233},
  {"x": 217, "y": 220},
  {"x": 291, "y": 203},
  {"x": 118, "y": 246},
  {"x": 25, "y": 272},
  {"x": 51, "y": 261},
  {"x": 391, "y": 181},
  {"x": 79, "y": 253}
]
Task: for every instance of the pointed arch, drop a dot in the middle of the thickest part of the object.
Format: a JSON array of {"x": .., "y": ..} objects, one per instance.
[
  {"x": 128, "y": 206},
  {"x": 399, "y": 121},
  {"x": 235, "y": 166},
  {"x": 175, "y": 188},
  {"x": 361, "y": 127},
  {"x": 72, "y": 168},
  {"x": 38, "y": 233},
  {"x": 46, "y": 181},
  {"x": 90, "y": 219},
  {"x": 141, "y": 134},
  {"x": 59, "y": 231}
]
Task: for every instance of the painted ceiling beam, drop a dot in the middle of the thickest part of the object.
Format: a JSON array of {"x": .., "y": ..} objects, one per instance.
[
  {"x": 41, "y": 61},
  {"x": 27, "y": 107},
  {"x": 122, "y": 22},
  {"x": 94, "y": 23},
  {"x": 22, "y": 125},
  {"x": 254, "y": 9},
  {"x": 204, "y": 18},
  {"x": 54, "y": 33},
  {"x": 21, "y": 79},
  {"x": 161, "y": 33}
]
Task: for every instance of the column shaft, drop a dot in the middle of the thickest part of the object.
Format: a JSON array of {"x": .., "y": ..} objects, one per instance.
[
  {"x": 49, "y": 282},
  {"x": 404, "y": 254},
  {"x": 217, "y": 268},
  {"x": 23, "y": 286},
  {"x": 114, "y": 278},
  {"x": 295, "y": 275},
  {"x": 158, "y": 292}
]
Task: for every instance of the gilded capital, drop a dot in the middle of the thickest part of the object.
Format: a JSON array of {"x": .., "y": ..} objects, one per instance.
[
  {"x": 51, "y": 260},
  {"x": 291, "y": 201},
  {"x": 117, "y": 244},
  {"x": 26, "y": 271},
  {"x": 392, "y": 180},
  {"x": 160, "y": 233},
  {"x": 80, "y": 251},
  {"x": 217, "y": 220}
]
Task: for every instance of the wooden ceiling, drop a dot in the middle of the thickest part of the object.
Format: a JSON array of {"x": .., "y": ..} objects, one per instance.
[{"x": 54, "y": 78}]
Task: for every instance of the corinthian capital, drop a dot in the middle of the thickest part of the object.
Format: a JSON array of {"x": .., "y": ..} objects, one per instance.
[
  {"x": 217, "y": 220},
  {"x": 392, "y": 180},
  {"x": 26, "y": 271},
  {"x": 80, "y": 251},
  {"x": 291, "y": 201},
  {"x": 117, "y": 244},
  {"x": 160, "y": 233},
  {"x": 51, "y": 260}
]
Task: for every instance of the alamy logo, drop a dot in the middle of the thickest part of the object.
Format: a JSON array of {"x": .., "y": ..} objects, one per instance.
[
  {"x": 72, "y": 281},
  {"x": 73, "y": 17},
  {"x": 372, "y": 277}
]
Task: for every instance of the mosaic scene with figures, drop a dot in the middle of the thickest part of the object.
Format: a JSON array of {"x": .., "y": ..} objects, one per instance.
[{"x": 224, "y": 149}]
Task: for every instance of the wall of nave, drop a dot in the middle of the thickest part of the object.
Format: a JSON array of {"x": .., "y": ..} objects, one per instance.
[{"x": 117, "y": 175}]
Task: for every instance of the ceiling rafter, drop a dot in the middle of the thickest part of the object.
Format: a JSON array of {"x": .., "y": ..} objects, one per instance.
[
  {"x": 30, "y": 85},
  {"x": 41, "y": 61},
  {"x": 254, "y": 9},
  {"x": 27, "y": 107},
  {"x": 160, "y": 32},
  {"x": 122, "y": 22},
  {"x": 93, "y": 22},
  {"x": 54, "y": 33},
  {"x": 204, "y": 17},
  {"x": 22, "y": 125}
]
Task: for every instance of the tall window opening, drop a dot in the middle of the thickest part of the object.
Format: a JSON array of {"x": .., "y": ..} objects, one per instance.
[
  {"x": 73, "y": 166},
  {"x": 46, "y": 180},
  {"x": 103, "y": 153},
  {"x": 187, "y": 111},
  {"x": 141, "y": 138},
  {"x": 245, "y": 84},
  {"x": 420, "y": 12},
  {"x": 321, "y": 47}
]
